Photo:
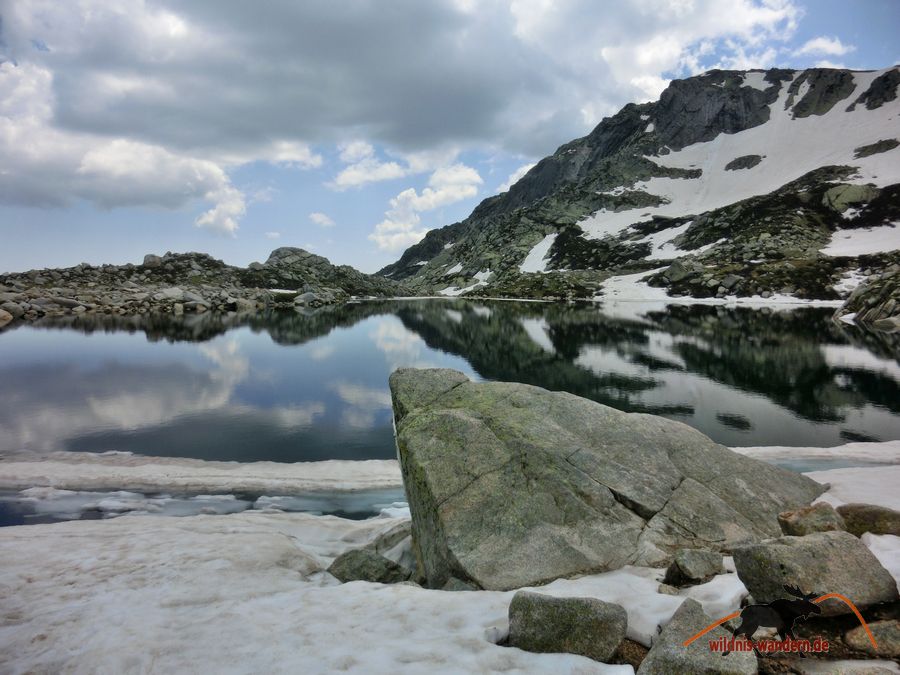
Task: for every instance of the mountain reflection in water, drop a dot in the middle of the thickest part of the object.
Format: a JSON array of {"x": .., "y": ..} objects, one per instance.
[{"x": 290, "y": 387}]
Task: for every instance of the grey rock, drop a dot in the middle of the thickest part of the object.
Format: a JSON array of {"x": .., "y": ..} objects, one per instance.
[
  {"x": 151, "y": 260},
  {"x": 668, "y": 655},
  {"x": 13, "y": 309},
  {"x": 693, "y": 566},
  {"x": 195, "y": 297},
  {"x": 585, "y": 626},
  {"x": 173, "y": 293},
  {"x": 454, "y": 584},
  {"x": 861, "y": 518},
  {"x": 819, "y": 517},
  {"x": 366, "y": 565},
  {"x": 510, "y": 485},
  {"x": 886, "y": 634},
  {"x": 845, "y": 667},
  {"x": 822, "y": 562}
]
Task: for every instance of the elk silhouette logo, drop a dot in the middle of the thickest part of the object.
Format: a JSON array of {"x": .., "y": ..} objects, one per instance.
[{"x": 779, "y": 614}]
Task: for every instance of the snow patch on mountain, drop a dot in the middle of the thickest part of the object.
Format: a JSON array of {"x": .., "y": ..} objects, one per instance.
[
  {"x": 536, "y": 260},
  {"x": 792, "y": 147},
  {"x": 863, "y": 240}
]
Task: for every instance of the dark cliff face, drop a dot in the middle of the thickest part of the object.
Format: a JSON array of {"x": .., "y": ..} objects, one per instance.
[{"x": 604, "y": 169}]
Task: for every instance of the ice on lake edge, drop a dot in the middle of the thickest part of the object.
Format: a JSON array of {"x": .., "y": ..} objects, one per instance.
[{"x": 246, "y": 591}]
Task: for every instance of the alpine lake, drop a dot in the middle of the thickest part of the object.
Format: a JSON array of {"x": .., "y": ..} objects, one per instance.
[{"x": 288, "y": 386}]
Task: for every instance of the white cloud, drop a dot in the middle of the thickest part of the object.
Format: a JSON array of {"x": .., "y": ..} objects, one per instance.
[
  {"x": 401, "y": 226},
  {"x": 367, "y": 170},
  {"x": 515, "y": 176},
  {"x": 355, "y": 151},
  {"x": 321, "y": 219},
  {"x": 273, "y": 235},
  {"x": 824, "y": 46},
  {"x": 263, "y": 195}
]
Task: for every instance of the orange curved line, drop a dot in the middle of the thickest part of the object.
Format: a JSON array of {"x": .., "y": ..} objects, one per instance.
[
  {"x": 849, "y": 604},
  {"x": 710, "y": 627},
  {"x": 822, "y": 598}
]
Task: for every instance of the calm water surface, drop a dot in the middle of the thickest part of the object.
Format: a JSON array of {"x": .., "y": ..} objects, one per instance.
[{"x": 290, "y": 387}]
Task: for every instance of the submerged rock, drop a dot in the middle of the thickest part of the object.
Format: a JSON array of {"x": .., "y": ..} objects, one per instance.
[
  {"x": 669, "y": 655},
  {"x": 510, "y": 485},
  {"x": 823, "y": 562},
  {"x": 586, "y": 626}
]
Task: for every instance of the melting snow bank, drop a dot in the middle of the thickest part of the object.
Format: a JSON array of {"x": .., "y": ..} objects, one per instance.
[
  {"x": 850, "y": 454},
  {"x": 248, "y": 592},
  {"x": 137, "y": 473},
  {"x": 633, "y": 288}
]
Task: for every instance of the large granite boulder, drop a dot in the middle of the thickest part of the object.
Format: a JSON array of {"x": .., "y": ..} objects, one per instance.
[
  {"x": 823, "y": 562},
  {"x": 586, "y": 626},
  {"x": 511, "y": 485},
  {"x": 669, "y": 655}
]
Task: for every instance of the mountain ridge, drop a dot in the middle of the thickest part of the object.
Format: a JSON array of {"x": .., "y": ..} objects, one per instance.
[{"x": 758, "y": 174}]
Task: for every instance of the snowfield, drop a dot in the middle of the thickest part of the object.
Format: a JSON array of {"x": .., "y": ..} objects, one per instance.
[
  {"x": 248, "y": 592},
  {"x": 863, "y": 240},
  {"x": 790, "y": 148},
  {"x": 124, "y": 471}
]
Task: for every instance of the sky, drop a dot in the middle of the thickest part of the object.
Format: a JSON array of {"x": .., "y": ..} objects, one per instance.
[{"x": 348, "y": 128}]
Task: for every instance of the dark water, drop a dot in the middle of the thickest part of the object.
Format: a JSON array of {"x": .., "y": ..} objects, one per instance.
[{"x": 289, "y": 387}]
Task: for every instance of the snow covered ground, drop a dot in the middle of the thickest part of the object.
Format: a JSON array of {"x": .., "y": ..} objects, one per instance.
[
  {"x": 247, "y": 592},
  {"x": 863, "y": 240},
  {"x": 138, "y": 473},
  {"x": 634, "y": 288}
]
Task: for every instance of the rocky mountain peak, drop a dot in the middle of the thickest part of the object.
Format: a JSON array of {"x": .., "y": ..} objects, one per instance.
[{"x": 729, "y": 173}]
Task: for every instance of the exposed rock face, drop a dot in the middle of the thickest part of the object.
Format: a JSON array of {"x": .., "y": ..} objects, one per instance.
[
  {"x": 877, "y": 301},
  {"x": 511, "y": 485},
  {"x": 585, "y": 626},
  {"x": 186, "y": 283},
  {"x": 824, "y": 562},
  {"x": 669, "y": 655},
  {"x": 862, "y": 518},
  {"x": 629, "y": 196},
  {"x": 820, "y": 517},
  {"x": 366, "y": 565}
]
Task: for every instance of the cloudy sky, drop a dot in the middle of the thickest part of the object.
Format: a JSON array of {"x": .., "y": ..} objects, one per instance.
[{"x": 347, "y": 127}]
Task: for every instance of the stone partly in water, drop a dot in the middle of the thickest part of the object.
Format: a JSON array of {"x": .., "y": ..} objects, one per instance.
[
  {"x": 585, "y": 626},
  {"x": 862, "y": 518},
  {"x": 366, "y": 565},
  {"x": 669, "y": 655},
  {"x": 820, "y": 517},
  {"x": 510, "y": 485},
  {"x": 5, "y": 318},
  {"x": 823, "y": 562}
]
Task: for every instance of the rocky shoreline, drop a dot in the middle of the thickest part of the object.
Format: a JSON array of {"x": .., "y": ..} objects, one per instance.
[{"x": 185, "y": 283}]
